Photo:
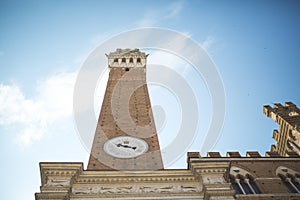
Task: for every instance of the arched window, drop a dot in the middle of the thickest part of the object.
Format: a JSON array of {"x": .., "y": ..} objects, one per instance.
[
  {"x": 242, "y": 182},
  {"x": 290, "y": 178}
]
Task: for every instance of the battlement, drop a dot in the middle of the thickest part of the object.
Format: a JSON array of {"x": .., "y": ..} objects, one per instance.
[
  {"x": 215, "y": 157},
  {"x": 288, "y": 110},
  {"x": 236, "y": 154},
  {"x": 127, "y": 58}
]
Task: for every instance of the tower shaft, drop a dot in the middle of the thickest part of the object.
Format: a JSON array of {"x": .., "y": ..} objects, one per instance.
[{"x": 126, "y": 118}]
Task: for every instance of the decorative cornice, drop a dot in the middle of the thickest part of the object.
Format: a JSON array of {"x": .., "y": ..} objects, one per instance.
[
  {"x": 83, "y": 179},
  {"x": 211, "y": 171}
]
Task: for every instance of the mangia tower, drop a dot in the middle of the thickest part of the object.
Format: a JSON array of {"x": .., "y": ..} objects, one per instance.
[{"x": 126, "y": 137}]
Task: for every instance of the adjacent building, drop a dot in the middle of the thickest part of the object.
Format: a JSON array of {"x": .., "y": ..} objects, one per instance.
[{"x": 288, "y": 136}]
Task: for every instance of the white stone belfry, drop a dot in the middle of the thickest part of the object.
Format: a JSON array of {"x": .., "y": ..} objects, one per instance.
[{"x": 127, "y": 58}]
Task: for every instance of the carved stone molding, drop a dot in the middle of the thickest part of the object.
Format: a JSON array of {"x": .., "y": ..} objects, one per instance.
[{"x": 135, "y": 189}]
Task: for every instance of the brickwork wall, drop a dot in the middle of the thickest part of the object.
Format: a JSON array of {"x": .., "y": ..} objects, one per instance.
[
  {"x": 140, "y": 124},
  {"x": 264, "y": 173}
]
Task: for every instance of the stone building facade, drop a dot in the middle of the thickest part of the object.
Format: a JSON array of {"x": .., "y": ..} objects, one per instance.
[
  {"x": 125, "y": 160},
  {"x": 212, "y": 177}
]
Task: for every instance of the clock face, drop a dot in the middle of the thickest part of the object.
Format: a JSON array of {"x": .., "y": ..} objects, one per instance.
[{"x": 125, "y": 147}]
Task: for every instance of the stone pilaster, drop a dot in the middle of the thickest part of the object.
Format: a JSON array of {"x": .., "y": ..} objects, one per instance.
[
  {"x": 57, "y": 180},
  {"x": 214, "y": 178}
]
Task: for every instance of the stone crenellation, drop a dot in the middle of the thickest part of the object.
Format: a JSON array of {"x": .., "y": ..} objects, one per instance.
[
  {"x": 127, "y": 58},
  {"x": 287, "y": 138},
  {"x": 235, "y": 154}
]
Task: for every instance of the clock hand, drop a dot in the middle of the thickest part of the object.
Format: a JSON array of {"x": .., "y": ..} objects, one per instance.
[
  {"x": 118, "y": 145},
  {"x": 125, "y": 146}
]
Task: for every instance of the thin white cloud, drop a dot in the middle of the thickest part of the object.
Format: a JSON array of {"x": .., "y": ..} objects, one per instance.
[
  {"x": 174, "y": 9},
  {"x": 149, "y": 19},
  {"x": 32, "y": 117},
  {"x": 207, "y": 43},
  {"x": 153, "y": 16}
]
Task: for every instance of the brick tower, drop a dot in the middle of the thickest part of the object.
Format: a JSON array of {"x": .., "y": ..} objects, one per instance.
[
  {"x": 288, "y": 136},
  {"x": 125, "y": 137}
]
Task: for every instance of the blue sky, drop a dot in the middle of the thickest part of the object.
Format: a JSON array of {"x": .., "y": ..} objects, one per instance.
[{"x": 254, "y": 44}]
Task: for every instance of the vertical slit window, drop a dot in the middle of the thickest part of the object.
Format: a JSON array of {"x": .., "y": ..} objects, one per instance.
[
  {"x": 291, "y": 182},
  {"x": 296, "y": 182},
  {"x": 236, "y": 187},
  {"x": 254, "y": 186},
  {"x": 244, "y": 184}
]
